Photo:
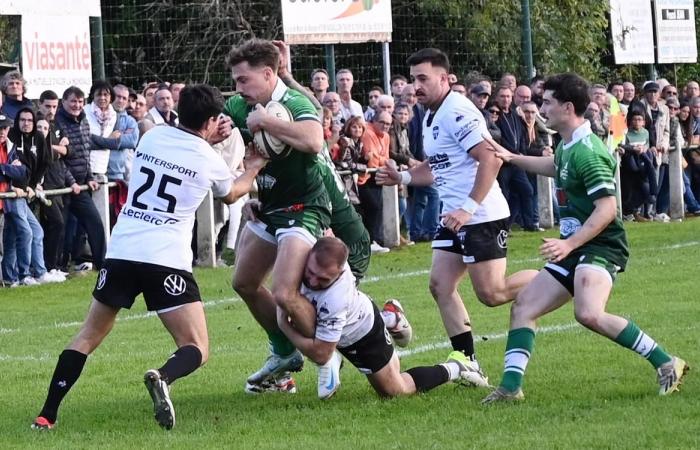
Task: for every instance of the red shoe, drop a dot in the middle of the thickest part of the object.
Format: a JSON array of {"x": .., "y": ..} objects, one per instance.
[{"x": 42, "y": 423}]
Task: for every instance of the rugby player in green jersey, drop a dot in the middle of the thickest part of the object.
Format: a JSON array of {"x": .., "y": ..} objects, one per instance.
[
  {"x": 591, "y": 249},
  {"x": 295, "y": 207}
]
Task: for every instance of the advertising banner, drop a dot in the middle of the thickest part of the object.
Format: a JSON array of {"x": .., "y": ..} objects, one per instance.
[
  {"x": 675, "y": 31},
  {"x": 338, "y": 21},
  {"x": 56, "y": 57}
]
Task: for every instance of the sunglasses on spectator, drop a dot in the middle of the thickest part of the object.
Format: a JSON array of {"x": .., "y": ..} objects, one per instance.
[
  {"x": 495, "y": 111},
  {"x": 674, "y": 108}
]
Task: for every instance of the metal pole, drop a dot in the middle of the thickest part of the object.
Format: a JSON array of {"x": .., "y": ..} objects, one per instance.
[
  {"x": 330, "y": 64},
  {"x": 526, "y": 39},
  {"x": 98, "y": 52},
  {"x": 387, "y": 67}
]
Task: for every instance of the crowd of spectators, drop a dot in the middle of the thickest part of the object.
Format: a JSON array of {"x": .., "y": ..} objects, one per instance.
[{"x": 80, "y": 142}]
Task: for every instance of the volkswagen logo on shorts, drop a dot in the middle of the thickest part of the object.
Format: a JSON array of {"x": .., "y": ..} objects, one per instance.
[
  {"x": 502, "y": 239},
  {"x": 174, "y": 284},
  {"x": 101, "y": 279}
]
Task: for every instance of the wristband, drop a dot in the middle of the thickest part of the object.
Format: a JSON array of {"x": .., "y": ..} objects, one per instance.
[
  {"x": 470, "y": 205},
  {"x": 406, "y": 177}
]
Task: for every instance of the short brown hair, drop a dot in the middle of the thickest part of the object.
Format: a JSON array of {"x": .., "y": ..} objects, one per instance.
[
  {"x": 256, "y": 52},
  {"x": 330, "y": 250}
]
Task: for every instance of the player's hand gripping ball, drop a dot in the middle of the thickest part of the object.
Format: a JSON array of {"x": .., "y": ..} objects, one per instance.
[{"x": 270, "y": 146}]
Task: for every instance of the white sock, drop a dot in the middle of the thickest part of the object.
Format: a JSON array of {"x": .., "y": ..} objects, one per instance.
[
  {"x": 452, "y": 368},
  {"x": 389, "y": 318}
]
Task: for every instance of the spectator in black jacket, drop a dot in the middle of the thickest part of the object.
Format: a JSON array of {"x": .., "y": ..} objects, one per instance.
[
  {"x": 57, "y": 176},
  {"x": 513, "y": 180},
  {"x": 70, "y": 119},
  {"x": 31, "y": 148}
]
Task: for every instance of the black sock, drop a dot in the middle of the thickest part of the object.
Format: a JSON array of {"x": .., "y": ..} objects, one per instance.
[
  {"x": 183, "y": 362},
  {"x": 464, "y": 343},
  {"x": 68, "y": 368},
  {"x": 426, "y": 378}
]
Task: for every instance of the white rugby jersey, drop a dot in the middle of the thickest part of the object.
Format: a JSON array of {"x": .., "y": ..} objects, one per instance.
[
  {"x": 172, "y": 172},
  {"x": 343, "y": 313},
  {"x": 455, "y": 128}
]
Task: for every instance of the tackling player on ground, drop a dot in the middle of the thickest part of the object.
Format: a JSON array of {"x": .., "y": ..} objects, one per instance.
[
  {"x": 591, "y": 250},
  {"x": 150, "y": 253},
  {"x": 347, "y": 320},
  {"x": 474, "y": 230}
]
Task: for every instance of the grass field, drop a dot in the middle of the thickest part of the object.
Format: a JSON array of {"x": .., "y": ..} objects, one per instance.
[{"x": 582, "y": 391}]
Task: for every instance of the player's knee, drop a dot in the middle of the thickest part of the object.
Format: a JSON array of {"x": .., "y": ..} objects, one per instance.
[
  {"x": 243, "y": 287},
  {"x": 588, "y": 318},
  {"x": 520, "y": 309},
  {"x": 439, "y": 289},
  {"x": 283, "y": 296},
  {"x": 490, "y": 296}
]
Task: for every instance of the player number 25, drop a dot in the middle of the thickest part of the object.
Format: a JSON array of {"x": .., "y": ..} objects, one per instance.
[{"x": 164, "y": 180}]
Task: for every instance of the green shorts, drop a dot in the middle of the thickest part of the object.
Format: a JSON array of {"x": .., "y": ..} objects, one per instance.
[
  {"x": 564, "y": 270},
  {"x": 305, "y": 221}
]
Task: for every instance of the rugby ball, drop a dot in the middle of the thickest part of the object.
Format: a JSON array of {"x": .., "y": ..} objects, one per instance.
[{"x": 271, "y": 146}]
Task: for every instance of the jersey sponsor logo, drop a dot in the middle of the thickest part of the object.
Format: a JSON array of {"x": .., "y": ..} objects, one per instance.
[
  {"x": 569, "y": 226},
  {"x": 167, "y": 164},
  {"x": 265, "y": 181},
  {"x": 101, "y": 279},
  {"x": 436, "y": 132},
  {"x": 502, "y": 239},
  {"x": 174, "y": 284},
  {"x": 439, "y": 161},
  {"x": 459, "y": 118},
  {"x": 562, "y": 198},
  {"x": 147, "y": 217},
  {"x": 564, "y": 174},
  {"x": 465, "y": 130}
]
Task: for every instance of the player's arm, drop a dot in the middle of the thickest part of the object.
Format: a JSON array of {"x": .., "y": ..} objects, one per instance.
[
  {"x": 486, "y": 173},
  {"x": 420, "y": 175},
  {"x": 243, "y": 184},
  {"x": 317, "y": 350},
  {"x": 604, "y": 212},
  {"x": 303, "y": 135},
  {"x": 541, "y": 165}
]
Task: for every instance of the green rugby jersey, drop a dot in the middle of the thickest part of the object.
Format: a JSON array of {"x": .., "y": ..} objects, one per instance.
[
  {"x": 585, "y": 172},
  {"x": 291, "y": 181},
  {"x": 346, "y": 223}
]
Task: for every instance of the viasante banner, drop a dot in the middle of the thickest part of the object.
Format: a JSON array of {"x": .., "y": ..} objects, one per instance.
[
  {"x": 337, "y": 21},
  {"x": 56, "y": 57}
]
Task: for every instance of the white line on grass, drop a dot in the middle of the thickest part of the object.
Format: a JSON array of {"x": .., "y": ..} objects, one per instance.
[
  {"x": 402, "y": 353},
  {"x": 375, "y": 279},
  {"x": 487, "y": 337}
]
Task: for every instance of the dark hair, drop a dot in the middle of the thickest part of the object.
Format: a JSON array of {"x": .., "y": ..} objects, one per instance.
[
  {"x": 98, "y": 86},
  {"x": 398, "y": 77},
  {"x": 315, "y": 71},
  {"x": 535, "y": 79},
  {"x": 256, "y": 52},
  {"x": 569, "y": 87},
  {"x": 434, "y": 56},
  {"x": 330, "y": 250},
  {"x": 198, "y": 103},
  {"x": 73, "y": 90},
  {"x": 613, "y": 84},
  {"x": 376, "y": 88},
  {"x": 632, "y": 113},
  {"x": 47, "y": 95}
]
